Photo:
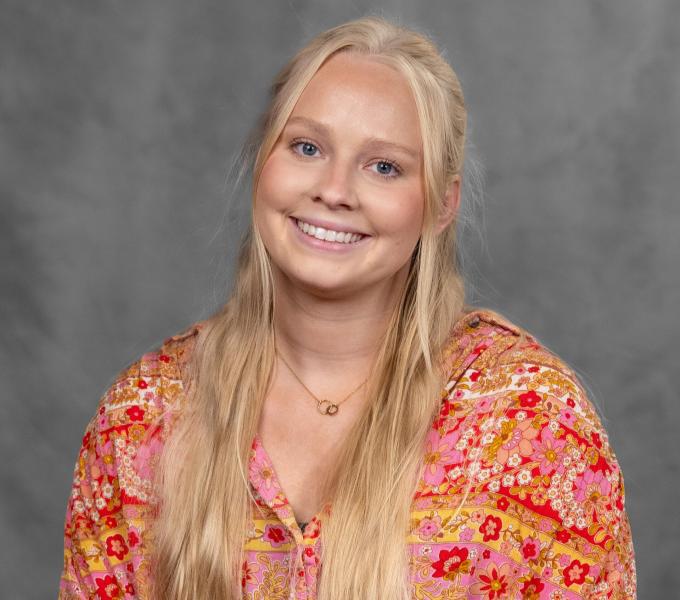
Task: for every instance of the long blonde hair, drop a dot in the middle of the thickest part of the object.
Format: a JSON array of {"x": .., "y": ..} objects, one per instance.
[{"x": 205, "y": 499}]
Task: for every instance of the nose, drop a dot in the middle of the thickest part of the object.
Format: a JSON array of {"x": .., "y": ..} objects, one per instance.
[{"x": 335, "y": 186}]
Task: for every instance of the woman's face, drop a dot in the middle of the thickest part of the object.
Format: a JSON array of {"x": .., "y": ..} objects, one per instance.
[{"x": 347, "y": 161}]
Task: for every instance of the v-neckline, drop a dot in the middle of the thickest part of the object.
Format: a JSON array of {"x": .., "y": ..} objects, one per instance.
[{"x": 283, "y": 509}]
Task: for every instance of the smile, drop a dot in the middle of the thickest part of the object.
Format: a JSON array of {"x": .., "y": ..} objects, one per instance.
[{"x": 328, "y": 235}]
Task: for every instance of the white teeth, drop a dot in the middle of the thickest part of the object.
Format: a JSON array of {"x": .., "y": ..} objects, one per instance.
[{"x": 328, "y": 234}]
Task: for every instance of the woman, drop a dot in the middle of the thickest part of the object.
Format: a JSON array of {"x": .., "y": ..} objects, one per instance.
[{"x": 345, "y": 427}]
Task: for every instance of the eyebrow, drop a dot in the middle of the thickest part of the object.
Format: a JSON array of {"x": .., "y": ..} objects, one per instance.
[{"x": 372, "y": 142}]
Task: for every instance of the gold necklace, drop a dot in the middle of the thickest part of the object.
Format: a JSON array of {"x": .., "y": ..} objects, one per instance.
[{"x": 324, "y": 406}]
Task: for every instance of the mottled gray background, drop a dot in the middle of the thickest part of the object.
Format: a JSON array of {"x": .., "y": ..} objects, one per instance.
[{"x": 118, "y": 123}]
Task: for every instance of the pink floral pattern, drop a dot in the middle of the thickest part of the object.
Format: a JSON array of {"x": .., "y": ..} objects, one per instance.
[
  {"x": 262, "y": 475},
  {"x": 440, "y": 452},
  {"x": 520, "y": 493}
]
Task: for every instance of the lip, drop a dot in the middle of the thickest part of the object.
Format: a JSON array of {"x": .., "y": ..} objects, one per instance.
[
  {"x": 332, "y": 247},
  {"x": 329, "y": 225}
]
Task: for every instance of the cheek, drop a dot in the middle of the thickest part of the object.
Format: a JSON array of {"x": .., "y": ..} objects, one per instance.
[
  {"x": 402, "y": 216},
  {"x": 270, "y": 187},
  {"x": 280, "y": 182}
]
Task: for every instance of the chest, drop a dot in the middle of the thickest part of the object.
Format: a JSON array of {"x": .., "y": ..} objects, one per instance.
[{"x": 302, "y": 444}]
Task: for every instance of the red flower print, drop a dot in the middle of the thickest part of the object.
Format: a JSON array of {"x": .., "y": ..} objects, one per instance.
[
  {"x": 133, "y": 539},
  {"x": 142, "y": 384},
  {"x": 111, "y": 522},
  {"x": 164, "y": 358},
  {"x": 475, "y": 375},
  {"x": 575, "y": 573},
  {"x": 107, "y": 588},
  {"x": 129, "y": 589},
  {"x": 563, "y": 536},
  {"x": 502, "y": 503},
  {"x": 275, "y": 535},
  {"x": 533, "y": 369},
  {"x": 445, "y": 411},
  {"x": 313, "y": 528},
  {"x": 530, "y": 590},
  {"x": 116, "y": 546},
  {"x": 530, "y": 548},
  {"x": 135, "y": 413},
  {"x": 571, "y": 403},
  {"x": 619, "y": 502},
  {"x": 529, "y": 399},
  {"x": 248, "y": 573},
  {"x": 486, "y": 554},
  {"x": 451, "y": 563},
  {"x": 597, "y": 440},
  {"x": 494, "y": 582},
  {"x": 491, "y": 528}
]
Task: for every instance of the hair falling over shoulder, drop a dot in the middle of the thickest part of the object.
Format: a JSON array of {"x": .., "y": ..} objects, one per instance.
[{"x": 205, "y": 499}]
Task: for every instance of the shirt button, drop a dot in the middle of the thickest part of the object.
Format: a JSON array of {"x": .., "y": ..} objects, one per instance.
[{"x": 474, "y": 322}]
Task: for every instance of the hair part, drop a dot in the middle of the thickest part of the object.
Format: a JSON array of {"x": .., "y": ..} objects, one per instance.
[{"x": 205, "y": 511}]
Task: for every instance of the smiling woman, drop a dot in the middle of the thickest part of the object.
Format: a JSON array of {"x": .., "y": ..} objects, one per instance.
[
  {"x": 345, "y": 427},
  {"x": 347, "y": 161}
]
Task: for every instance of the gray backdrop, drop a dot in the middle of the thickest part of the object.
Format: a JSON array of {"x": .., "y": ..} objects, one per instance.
[{"x": 118, "y": 123}]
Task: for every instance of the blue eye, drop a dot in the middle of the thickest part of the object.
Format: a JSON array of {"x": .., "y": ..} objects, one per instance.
[
  {"x": 308, "y": 149},
  {"x": 385, "y": 168},
  {"x": 388, "y": 169}
]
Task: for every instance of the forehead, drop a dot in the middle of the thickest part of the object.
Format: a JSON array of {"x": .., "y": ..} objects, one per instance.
[{"x": 357, "y": 94}]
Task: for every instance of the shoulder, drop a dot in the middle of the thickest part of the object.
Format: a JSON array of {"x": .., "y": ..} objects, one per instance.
[
  {"x": 153, "y": 381},
  {"x": 489, "y": 356},
  {"x": 112, "y": 496},
  {"x": 522, "y": 436},
  {"x": 487, "y": 338},
  {"x": 127, "y": 430}
]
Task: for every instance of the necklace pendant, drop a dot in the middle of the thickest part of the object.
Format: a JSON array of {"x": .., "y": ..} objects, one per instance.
[{"x": 326, "y": 407}]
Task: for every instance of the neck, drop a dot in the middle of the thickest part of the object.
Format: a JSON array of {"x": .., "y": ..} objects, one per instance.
[{"x": 328, "y": 338}]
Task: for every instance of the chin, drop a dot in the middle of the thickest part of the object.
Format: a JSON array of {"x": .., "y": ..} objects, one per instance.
[{"x": 324, "y": 288}]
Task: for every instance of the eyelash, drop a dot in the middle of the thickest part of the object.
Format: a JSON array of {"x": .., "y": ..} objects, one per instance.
[{"x": 387, "y": 161}]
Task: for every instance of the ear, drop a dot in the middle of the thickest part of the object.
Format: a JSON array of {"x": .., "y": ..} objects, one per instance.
[{"x": 451, "y": 204}]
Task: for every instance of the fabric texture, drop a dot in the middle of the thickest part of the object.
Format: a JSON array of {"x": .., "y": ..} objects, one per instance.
[{"x": 545, "y": 517}]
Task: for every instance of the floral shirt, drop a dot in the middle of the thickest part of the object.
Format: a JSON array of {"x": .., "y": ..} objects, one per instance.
[{"x": 544, "y": 518}]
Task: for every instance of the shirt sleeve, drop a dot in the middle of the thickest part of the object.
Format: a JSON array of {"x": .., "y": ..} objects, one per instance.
[
  {"x": 105, "y": 526},
  {"x": 559, "y": 467}
]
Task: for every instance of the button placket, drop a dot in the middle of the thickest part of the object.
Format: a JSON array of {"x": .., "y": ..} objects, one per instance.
[
  {"x": 311, "y": 561},
  {"x": 298, "y": 590}
]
